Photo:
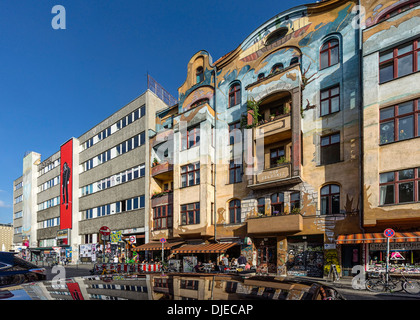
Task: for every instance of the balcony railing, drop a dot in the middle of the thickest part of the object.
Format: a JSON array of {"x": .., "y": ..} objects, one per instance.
[
  {"x": 161, "y": 198},
  {"x": 162, "y": 170}
]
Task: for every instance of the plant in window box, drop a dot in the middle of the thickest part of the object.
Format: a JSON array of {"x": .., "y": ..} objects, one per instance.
[
  {"x": 295, "y": 210},
  {"x": 281, "y": 160}
]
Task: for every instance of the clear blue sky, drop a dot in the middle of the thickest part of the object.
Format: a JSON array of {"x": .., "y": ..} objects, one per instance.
[{"x": 57, "y": 84}]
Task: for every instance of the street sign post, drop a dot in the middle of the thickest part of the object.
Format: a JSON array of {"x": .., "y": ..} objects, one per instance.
[
  {"x": 105, "y": 233},
  {"x": 162, "y": 240},
  {"x": 389, "y": 233}
]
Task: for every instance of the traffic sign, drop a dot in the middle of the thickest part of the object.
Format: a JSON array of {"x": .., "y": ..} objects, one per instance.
[
  {"x": 163, "y": 240},
  {"x": 105, "y": 231},
  {"x": 389, "y": 233}
]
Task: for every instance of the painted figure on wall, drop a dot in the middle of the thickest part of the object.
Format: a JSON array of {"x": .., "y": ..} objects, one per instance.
[{"x": 64, "y": 184}]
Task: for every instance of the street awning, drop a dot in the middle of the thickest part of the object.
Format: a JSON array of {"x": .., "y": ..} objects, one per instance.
[
  {"x": 155, "y": 245},
  {"x": 205, "y": 248},
  {"x": 377, "y": 238}
]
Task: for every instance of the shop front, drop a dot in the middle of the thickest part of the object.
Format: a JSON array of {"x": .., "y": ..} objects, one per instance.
[
  {"x": 207, "y": 253},
  {"x": 305, "y": 256},
  {"x": 404, "y": 251}
]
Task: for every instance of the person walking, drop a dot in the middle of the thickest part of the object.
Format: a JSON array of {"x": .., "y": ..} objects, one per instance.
[{"x": 242, "y": 260}]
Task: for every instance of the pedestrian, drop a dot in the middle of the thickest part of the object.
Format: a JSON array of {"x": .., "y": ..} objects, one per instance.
[
  {"x": 242, "y": 260},
  {"x": 234, "y": 263},
  {"x": 198, "y": 267},
  {"x": 225, "y": 260}
]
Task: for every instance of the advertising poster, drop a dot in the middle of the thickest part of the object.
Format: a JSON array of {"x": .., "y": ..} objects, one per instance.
[{"x": 66, "y": 181}]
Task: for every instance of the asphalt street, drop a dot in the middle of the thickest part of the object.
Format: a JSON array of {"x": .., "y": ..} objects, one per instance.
[{"x": 343, "y": 286}]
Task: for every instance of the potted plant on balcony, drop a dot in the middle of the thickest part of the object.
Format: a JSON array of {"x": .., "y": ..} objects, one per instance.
[{"x": 155, "y": 162}]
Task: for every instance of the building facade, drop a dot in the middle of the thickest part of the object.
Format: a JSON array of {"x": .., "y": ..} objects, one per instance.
[
  {"x": 96, "y": 180},
  {"x": 390, "y": 64},
  {"x": 262, "y": 149}
]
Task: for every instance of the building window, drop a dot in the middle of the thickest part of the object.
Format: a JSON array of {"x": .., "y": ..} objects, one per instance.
[
  {"x": 399, "y": 186},
  {"x": 330, "y": 199},
  {"x": 190, "y": 175},
  {"x": 261, "y": 206},
  {"x": 277, "y": 204},
  {"x": 399, "y": 122},
  {"x": 261, "y": 76},
  {"x": 235, "y": 172},
  {"x": 330, "y": 149},
  {"x": 329, "y": 53},
  {"x": 190, "y": 213},
  {"x": 277, "y": 68},
  {"x": 199, "y": 74},
  {"x": 191, "y": 139},
  {"x": 294, "y": 60},
  {"x": 234, "y": 95},
  {"x": 277, "y": 156},
  {"x": 200, "y": 103},
  {"x": 399, "y": 61},
  {"x": 295, "y": 202},
  {"x": 235, "y": 211},
  {"x": 162, "y": 217},
  {"x": 235, "y": 132},
  {"x": 330, "y": 100}
]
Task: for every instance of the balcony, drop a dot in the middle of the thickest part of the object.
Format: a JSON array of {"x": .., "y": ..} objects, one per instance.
[
  {"x": 274, "y": 129},
  {"x": 274, "y": 177},
  {"x": 162, "y": 171},
  {"x": 287, "y": 223},
  {"x": 162, "y": 198}
]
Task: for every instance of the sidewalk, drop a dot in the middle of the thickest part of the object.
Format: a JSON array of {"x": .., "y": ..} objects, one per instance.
[{"x": 345, "y": 283}]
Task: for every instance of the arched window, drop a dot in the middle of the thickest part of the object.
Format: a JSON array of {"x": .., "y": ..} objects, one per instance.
[
  {"x": 199, "y": 74},
  {"x": 330, "y": 199},
  {"x": 277, "y": 204},
  {"x": 276, "y": 35},
  {"x": 294, "y": 60},
  {"x": 235, "y": 211},
  {"x": 234, "y": 95},
  {"x": 329, "y": 53},
  {"x": 199, "y": 103},
  {"x": 277, "y": 67},
  {"x": 261, "y": 76}
]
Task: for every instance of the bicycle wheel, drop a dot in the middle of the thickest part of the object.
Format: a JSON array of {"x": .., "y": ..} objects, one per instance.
[
  {"x": 375, "y": 285},
  {"x": 411, "y": 286}
]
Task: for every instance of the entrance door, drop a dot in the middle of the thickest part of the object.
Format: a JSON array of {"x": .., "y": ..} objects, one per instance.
[
  {"x": 350, "y": 257},
  {"x": 267, "y": 254}
]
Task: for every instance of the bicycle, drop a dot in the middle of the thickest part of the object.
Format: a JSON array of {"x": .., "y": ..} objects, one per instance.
[{"x": 379, "y": 284}]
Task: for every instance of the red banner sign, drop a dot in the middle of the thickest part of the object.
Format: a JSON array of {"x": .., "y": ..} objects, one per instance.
[{"x": 66, "y": 184}]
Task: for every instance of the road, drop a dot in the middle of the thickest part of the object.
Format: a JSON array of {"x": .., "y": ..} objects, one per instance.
[{"x": 344, "y": 287}]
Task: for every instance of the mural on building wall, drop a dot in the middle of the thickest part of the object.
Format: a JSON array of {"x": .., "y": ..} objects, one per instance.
[{"x": 66, "y": 180}]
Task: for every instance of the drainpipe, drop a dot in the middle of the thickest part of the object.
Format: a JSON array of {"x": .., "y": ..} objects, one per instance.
[
  {"x": 361, "y": 104},
  {"x": 215, "y": 155}
]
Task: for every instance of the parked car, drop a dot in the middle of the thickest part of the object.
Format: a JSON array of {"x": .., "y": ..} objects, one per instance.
[{"x": 15, "y": 271}]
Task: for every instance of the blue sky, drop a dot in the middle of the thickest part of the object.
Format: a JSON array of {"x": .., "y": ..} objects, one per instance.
[{"x": 57, "y": 84}]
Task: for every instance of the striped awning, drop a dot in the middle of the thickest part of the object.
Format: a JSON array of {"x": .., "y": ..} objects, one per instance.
[
  {"x": 378, "y": 238},
  {"x": 155, "y": 245},
  {"x": 205, "y": 248}
]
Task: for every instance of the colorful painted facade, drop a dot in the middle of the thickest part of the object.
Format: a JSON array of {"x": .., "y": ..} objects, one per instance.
[{"x": 277, "y": 157}]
